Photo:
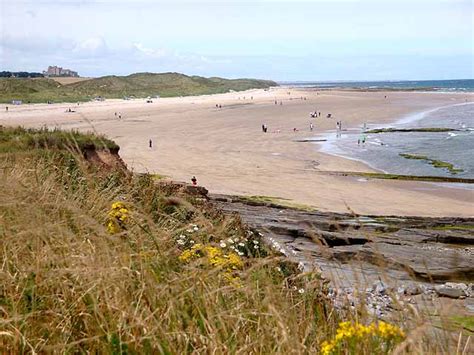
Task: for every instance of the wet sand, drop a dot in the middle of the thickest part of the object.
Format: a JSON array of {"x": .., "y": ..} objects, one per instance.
[{"x": 227, "y": 151}]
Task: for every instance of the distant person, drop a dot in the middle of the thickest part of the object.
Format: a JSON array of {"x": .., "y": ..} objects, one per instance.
[
  {"x": 120, "y": 116},
  {"x": 319, "y": 113},
  {"x": 251, "y": 97},
  {"x": 115, "y": 114},
  {"x": 217, "y": 106},
  {"x": 263, "y": 128},
  {"x": 276, "y": 103},
  {"x": 311, "y": 126},
  {"x": 194, "y": 180},
  {"x": 150, "y": 143},
  {"x": 220, "y": 106},
  {"x": 6, "y": 108}
]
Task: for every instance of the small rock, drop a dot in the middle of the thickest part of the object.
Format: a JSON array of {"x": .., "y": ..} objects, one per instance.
[
  {"x": 379, "y": 288},
  {"x": 459, "y": 286},
  {"x": 444, "y": 291},
  {"x": 413, "y": 290}
]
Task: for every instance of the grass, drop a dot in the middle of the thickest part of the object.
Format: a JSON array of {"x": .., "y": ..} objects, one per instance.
[
  {"x": 466, "y": 322},
  {"x": 436, "y": 163},
  {"x": 277, "y": 202},
  {"x": 406, "y": 130},
  {"x": 135, "y": 85},
  {"x": 405, "y": 177},
  {"x": 69, "y": 286},
  {"x": 22, "y": 140}
]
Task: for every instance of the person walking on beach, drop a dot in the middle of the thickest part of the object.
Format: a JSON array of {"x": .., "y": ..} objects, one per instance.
[
  {"x": 6, "y": 108},
  {"x": 150, "y": 143},
  {"x": 194, "y": 181},
  {"x": 311, "y": 126}
]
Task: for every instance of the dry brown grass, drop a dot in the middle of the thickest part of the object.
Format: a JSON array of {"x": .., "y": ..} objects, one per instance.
[{"x": 66, "y": 285}]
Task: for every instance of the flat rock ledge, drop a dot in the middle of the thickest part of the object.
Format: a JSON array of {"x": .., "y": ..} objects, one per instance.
[{"x": 371, "y": 255}]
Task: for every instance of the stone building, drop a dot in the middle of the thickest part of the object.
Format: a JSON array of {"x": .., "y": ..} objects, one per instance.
[{"x": 58, "y": 71}]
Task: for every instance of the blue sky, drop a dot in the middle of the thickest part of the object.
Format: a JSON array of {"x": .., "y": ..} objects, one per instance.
[{"x": 280, "y": 40}]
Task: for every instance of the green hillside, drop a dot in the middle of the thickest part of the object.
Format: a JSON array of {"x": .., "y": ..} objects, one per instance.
[{"x": 137, "y": 85}]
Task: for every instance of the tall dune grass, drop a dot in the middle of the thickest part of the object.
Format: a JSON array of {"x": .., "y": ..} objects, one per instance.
[{"x": 67, "y": 285}]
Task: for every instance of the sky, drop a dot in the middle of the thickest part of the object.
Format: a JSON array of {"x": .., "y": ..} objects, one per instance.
[{"x": 312, "y": 40}]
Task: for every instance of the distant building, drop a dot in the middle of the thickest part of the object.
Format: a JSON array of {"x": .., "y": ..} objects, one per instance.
[{"x": 58, "y": 71}]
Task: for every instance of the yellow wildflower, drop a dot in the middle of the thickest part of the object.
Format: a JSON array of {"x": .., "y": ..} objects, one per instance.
[
  {"x": 118, "y": 217},
  {"x": 349, "y": 334}
]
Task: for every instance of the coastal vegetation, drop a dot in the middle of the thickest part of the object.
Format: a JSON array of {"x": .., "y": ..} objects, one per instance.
[
  {"x": 98, "y": 259},
  {"x": 407, "y": 130},
  {"x": 42, "y": 90},
  {"x": 384, "y": 176},
  {"x": 275, "y": 202},
  {"x": 436, "y": 163}
]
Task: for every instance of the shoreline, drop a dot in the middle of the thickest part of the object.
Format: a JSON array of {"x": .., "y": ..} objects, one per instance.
[
  {"x": 327, "y": 144},
  {"x": 228, "y": 153}
]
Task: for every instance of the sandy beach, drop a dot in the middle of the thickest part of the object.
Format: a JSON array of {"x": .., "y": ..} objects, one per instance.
[{"x": 227, "y": 151}]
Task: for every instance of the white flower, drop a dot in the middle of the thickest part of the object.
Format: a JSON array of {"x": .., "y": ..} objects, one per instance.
[
  {"x": 301, "y": 290},
  {"x": 181, "y": 242},
  {"x": 255, "y": 246},
  {"x": 191, "y": 241},
  {"x": 241, "y": 244},
  {"x": 260, "y": 234},
  {"x": 255, "y": 242},
  {"x": 196, "y": 228},
  {"x": 278, "y": 269},
  {"x": 230, "y": 241},
  {"x": 295, "y": 288},
  {"x": 223, "y": 245},
  {"x": 182, "y": 236},
  {"x": 301, "y": 266},
  {"x": 189, "y": 230},
  {"x": 240, "y": 253},
  {"x": 236, "y": 240}
]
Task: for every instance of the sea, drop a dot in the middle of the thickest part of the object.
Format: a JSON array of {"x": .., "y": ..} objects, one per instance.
[
  {"x": 463, "y": 85},
  {"x": 382, "y": 150}
]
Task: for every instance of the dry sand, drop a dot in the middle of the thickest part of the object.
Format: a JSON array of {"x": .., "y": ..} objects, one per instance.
[{"x": 228, "y": 153}]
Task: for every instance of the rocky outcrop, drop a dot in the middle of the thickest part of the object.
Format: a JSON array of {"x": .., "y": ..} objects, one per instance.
[{"x": 411, "y": 254}]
